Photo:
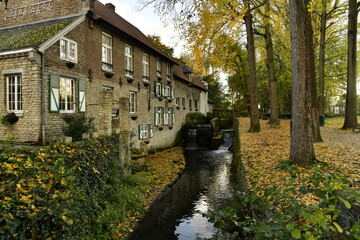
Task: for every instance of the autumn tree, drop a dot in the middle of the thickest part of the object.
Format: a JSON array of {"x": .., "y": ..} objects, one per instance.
[
  {"x": 350, "y": 109},
  {"x": 270, "y": 65},
  {"x": 329, "y": 10},
  {"x": 301, "y": 148}
]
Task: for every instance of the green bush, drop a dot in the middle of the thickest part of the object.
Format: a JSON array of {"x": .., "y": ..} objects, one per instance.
[
  {"x": 281, "y": 213},
  {"x": 196, "y": 118},
  {"x": 77, "y": 124},
  {"x": 77, "y": 191}
]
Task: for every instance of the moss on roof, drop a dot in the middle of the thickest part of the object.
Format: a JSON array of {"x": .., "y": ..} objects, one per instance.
[{"x": 31, "y": 35}]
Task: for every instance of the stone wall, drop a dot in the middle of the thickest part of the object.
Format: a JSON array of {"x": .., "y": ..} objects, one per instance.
[
  {"x": 26, "y": 11},
  {"x": 28, "y": 127},
  {"x": 105, "y": 90}
]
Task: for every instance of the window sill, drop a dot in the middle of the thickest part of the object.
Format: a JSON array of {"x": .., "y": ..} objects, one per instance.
[
  {"x": 170, "y": 126},
  {"x": 160, "y": 127},
  {"x": 177, "y": 107},
  {"x": 146, "y": 83},
  {"x": 169, "y": 100},
  {"x": 159, "y": 78}
]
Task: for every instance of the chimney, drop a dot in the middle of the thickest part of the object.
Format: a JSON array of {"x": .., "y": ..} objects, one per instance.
[{"x": 110, "y": 6}]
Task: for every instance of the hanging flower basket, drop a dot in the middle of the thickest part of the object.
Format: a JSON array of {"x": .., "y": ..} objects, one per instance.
[{"x": 8, "y": 119}]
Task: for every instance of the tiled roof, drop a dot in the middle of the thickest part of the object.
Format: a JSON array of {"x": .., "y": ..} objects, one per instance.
[
  {"x": 110, "y": 16},
  {"x": 31, "y": 35},
  {"x": 179, "y": 73}
]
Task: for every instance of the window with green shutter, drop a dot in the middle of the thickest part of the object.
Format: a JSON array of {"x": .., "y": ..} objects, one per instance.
[
  {"x": 54, "y": 93},
  {"x": 82, "y": 96}
]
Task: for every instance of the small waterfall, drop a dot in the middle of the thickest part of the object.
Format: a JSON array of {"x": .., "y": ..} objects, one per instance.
[
  {"x": 191, "y": 138},
  {"x": 227, "y": 140}
]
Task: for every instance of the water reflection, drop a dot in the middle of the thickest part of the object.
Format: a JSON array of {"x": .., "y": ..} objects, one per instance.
[{"x": 205, "y": 184}]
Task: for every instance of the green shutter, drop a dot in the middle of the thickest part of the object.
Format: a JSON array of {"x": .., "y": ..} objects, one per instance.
[
  {"x": 82, "y": 96},
  {"x": 141, "y": 132},
  {"x": 54, "y": 104},
  {"x": 173, "y": 113},
  {"x": 151, "y": 127}
]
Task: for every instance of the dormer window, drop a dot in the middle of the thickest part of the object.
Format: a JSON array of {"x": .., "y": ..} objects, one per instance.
[
  {"x": 107, "y": 52},
  {"x": 68, "y": 50}
]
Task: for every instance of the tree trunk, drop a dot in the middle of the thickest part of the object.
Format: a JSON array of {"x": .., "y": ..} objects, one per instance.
[
  {"x": 254, "y": 111},
  {"x": 323, "y": 20},
  {"x": 350, "y": 108},
  {"x": 301, "y": 149},
  {"x": 274, "y": 116},
  {"x": 309, "y": 35}
]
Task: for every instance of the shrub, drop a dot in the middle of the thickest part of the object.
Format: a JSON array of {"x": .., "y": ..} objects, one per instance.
[
  {"x": 196, "y": 118},
  {"x": 77, "y": 124},
  {"x": 283, "y": 213},
  {"x": 72, "y": 192}
]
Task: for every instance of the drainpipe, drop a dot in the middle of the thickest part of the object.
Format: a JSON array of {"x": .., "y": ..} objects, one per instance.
[{"x": 43, "y": 111}]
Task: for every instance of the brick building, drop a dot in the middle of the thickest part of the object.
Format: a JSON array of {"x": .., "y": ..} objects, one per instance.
[{"x": 66, "y": 56}]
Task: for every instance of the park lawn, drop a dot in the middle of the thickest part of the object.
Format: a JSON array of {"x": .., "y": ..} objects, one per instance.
[{"x": 263, "y": 152}]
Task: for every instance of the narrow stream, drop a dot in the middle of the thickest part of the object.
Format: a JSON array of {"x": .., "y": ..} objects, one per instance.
[{"x": 205, "y": 184}]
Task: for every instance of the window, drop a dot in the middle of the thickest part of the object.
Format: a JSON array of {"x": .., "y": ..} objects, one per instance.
[
  {"x": 146, "y": 131},
  {"x": 158, "y": 89},
  {"x": 183, "y": 103},
  {"x": 132, "y": 102},
  {"x": 106, "y": 52},
  {"x": 158, "y": 67},
  {"x": 67, "y": 95},
  {"x": 166, "y": 116},
  {"x": 168, "y": 73},
  {"x": 190, "y": 104},
  {"x": 196, "y": 104},
  {"x": 68, "y": 50},
  {"x": 159, "y": 116},
  {"x": 129, "y": 61},
  {"x": 14, "y": 93},
  {"x": 145, "y": 67},
  {"x": 171, "y": 116},
  {"x": 177, "y": 102}
]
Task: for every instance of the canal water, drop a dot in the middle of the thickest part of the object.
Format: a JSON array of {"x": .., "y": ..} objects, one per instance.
[{"x": 205, "y": 184}]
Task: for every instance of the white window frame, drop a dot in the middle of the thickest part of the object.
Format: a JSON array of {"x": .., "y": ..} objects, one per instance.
[
  {"x": 144, "y": 131},
  {"x": 14, "y": 93},
  {"x": 158, "y": 67},
  {"x": 158, "y": 116},
  {"x": 168, "y": 72},
  {"x": 65, "y": 50},
  {"x": 158, "y": 89},
  {"x": 132, "y": 102},
  {"x": 69, "y": 82},
  {"x": 129, "y": 72},
  {"x": 166, "y": 116},
  {"x": 146, "y": 67},
  {"x": 106, "y": 52},
  {"x": 177, "y": 101}
]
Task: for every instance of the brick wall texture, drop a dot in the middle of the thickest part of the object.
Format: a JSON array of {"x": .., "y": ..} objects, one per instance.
[{"x": 103, "y": 91}]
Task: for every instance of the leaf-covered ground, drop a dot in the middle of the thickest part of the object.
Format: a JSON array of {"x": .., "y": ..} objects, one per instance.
[
  {"x": 160, "y": 171},
  {"x": 262, "y": 152}
]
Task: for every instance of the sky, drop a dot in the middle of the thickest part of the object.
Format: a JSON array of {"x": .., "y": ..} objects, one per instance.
[{"x": 148, "y": 22}]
